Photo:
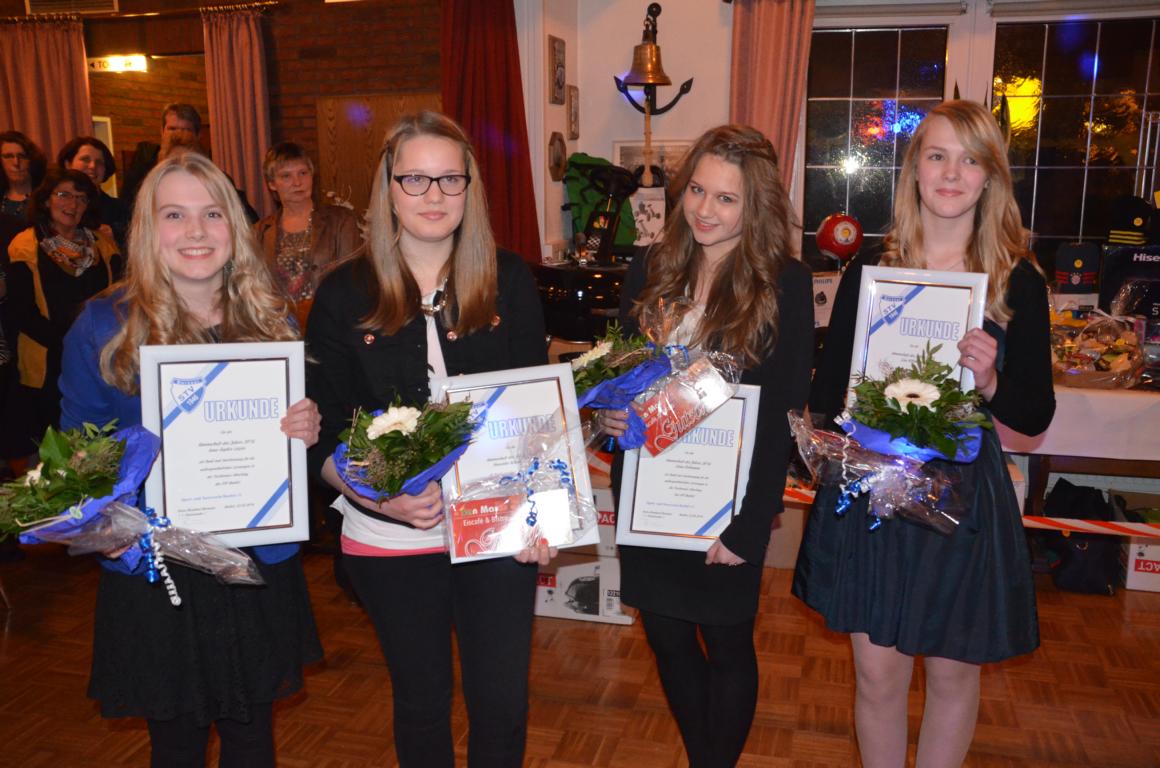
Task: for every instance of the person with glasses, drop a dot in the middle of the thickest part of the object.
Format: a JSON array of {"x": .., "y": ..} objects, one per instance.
[
  {"x": 90, "y": 156},
  {"x": 302, "y": 238},
  {"x": 56, "y": 264},
  {"x": 429, "y": 297},
  {"x": 23, "y": 166}
]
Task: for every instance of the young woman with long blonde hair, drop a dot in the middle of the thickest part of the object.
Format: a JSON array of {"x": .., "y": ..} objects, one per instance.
[
  {"x": 902, "y": 590},
  {"x": 429, "y": 297},
  {"x": 194, "y": 276},
  {"x": 727, "y": 248}
]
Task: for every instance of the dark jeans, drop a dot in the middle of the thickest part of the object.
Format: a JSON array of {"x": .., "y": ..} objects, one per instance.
[
  {"x": 712, "y": 691},
  {"x": 181, "y": 742},
  {"x": 414, "y": 601}
]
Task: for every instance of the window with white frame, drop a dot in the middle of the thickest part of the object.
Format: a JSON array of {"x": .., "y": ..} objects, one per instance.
[{"x": 1081, "y": 82}]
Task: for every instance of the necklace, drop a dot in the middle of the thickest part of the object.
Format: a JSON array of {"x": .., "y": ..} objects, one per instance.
[{"x": 435, "y": 306}]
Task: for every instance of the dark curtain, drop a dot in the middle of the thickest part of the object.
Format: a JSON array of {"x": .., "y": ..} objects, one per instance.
[{"x": 482, "y": 90}]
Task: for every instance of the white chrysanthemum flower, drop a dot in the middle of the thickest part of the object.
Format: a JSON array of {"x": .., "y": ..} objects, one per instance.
[
  {"x": 33, "y": 475},
  {"x": 906, "y": 391},
  {"x": 597, "y": 352},
  {"x": 394, "y": 419}
]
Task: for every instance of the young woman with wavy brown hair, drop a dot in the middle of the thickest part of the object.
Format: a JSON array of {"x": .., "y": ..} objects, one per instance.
[
  {"x": 727, "y": 248},
  {"x": 430, "y": 296},
  {"x": 222, "y": 658},
  {"x": 903, "y": 590}
]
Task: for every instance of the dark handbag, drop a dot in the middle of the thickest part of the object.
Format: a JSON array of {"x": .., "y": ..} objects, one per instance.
[{"x": 1088, "y": 562}]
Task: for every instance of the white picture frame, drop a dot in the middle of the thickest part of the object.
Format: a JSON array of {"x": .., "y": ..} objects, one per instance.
[
  {"x": 901, "y": 309},
  {"x": 667, "y": 154},
  {"x": 685, "y": 497},
  {"x": 225, "y": 466}
]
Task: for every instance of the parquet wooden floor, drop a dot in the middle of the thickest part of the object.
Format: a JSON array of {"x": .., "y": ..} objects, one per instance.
[{"x": 1089, "y": 697}]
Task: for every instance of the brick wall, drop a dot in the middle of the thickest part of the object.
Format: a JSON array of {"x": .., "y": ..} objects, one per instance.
[
  {"x": 135, "y": 99},
  {"x": 315, "y": 50}
]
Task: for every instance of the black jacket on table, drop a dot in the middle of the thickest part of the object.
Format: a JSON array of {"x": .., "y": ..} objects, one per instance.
[
  {"x": 1024, "y": 398},
  {"x": 350, "y": 367},
  {"x": 678, "y": 583}
]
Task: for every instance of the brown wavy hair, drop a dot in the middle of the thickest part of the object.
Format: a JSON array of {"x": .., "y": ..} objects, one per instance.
[
  {"x": 470, "y": 290},
  {"x": 151, "y": 310},
  {"x": 998, "y": 239},
  {"x": 741, "y": 312}
]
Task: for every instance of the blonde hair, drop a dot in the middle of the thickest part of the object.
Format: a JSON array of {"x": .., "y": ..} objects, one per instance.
[
  {"x": 150, "y": 308},
  {"x": 998, "y": 239},
  {"x": 470, "y": 290},
  {"x": 741, "y": 312}
]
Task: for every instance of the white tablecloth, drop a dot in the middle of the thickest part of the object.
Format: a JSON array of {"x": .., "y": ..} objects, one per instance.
[{"x": 1097, "y": 423}]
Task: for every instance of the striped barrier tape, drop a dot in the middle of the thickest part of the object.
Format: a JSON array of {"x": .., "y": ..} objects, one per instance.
[{"x": 1069, "y": 524}]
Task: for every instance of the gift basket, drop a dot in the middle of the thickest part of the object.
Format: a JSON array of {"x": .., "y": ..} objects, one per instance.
[
  {"x": 82, "y": 494},
  {"x": 900, "y": 440},
  {"x": 506, "y": 513},
  {"x": 1103, "y": 353},
  {"x": 671, "y": 390}
]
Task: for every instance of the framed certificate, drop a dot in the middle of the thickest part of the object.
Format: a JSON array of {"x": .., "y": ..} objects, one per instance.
[
  {"x": 225, "y": 466},
  {"x": 900, "y": 310},
  {"x": 518, "y": 401},
  {"x": 685, "y": 497}
]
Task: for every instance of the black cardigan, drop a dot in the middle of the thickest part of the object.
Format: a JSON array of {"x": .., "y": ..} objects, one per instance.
[
  {"x": 1024, "y": 398},
  {"x": 351, "y": 367}
]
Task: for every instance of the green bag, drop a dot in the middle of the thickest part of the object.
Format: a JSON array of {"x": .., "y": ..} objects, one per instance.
[{"x": 587, "y": 189}]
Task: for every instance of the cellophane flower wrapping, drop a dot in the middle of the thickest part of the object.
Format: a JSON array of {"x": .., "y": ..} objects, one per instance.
[
  {"x": 673, "y": 391},
  {"x": 504, "y": 514},
  {"x": 898, "y": 485},
  {"x": 400, "y": 450},
  {"x": 118, "y": 525}
]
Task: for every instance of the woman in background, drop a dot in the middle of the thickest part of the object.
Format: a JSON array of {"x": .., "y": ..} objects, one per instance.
[
  {"x": 729, "y": 251},
  {"x": 229, "y": 652},
  {"x": 23, "y": 165},
  {"x": 90, "y": 156},
  {"x": 55, "y": 266},
  {"x": 301, "y": 238},
  {"x": 903, "y": 590}
]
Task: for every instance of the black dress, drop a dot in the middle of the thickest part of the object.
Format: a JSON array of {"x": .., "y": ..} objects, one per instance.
[
  {"x": 677, "y": 583},
  {"x": 968, "y": 596}
]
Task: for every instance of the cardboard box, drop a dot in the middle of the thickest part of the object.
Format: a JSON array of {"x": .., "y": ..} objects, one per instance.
[
  {"x": 580, "y": 587},
  {"x": 1141, "y": 554}
]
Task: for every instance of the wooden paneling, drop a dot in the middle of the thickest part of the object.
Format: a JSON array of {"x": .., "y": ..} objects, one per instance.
[{"x": 350, "y": 136}]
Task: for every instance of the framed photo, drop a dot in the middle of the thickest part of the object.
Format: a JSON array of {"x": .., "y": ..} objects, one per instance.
[
  {"x": 225, "y": 465},
  {"x": 901, "y": 310},
  {"x": 648, "y": 212},
  {"x": 517, "y": 403},
  {"x": 573, "y": 107},
  {"x": 666, "y": 154},
  {"x": 557, "y": 73},
  {"x": 685, "y": 497}
]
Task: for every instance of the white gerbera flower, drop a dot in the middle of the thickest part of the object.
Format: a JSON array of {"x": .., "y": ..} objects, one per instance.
[
  {"x": 394, "y": 419},
  {"x": 597, "y": 352},
  {"x": 906, "y": 391},
  {"x": 33, "y": 475}
]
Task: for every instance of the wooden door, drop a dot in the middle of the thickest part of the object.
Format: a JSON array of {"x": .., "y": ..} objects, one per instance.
[{"x": 351, "y": 130}]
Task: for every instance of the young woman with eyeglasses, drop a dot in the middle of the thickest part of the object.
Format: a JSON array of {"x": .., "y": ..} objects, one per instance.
[
  {"x": 429, "y": 296},
  {"x": 56, "y": 265}
]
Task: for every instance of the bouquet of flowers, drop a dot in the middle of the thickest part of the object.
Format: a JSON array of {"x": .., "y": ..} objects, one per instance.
[
  {"x": 401, "y": 449},
  {"x": 672, "y": 389},
  {"x": 506, "y": 513},
  {"x": 613, "y": 355},
  {"x": 81, "y": 494},
  {"x": 893, "y": 427}
]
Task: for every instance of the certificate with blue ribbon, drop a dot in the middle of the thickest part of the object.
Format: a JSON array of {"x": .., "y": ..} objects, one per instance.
[
  {"x": 685, "y": 497},
  {"x": 900, "y": 310},
  {"x": 225, "y": 465}
]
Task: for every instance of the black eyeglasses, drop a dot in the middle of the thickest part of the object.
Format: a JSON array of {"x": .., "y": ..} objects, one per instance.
[{"x": 415, "y": 184}]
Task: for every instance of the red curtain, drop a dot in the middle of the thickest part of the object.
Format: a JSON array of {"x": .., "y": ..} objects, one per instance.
[
  {"x": 482, "y": 90},
  {"x": 771, "y": 57},
  {"x": 44, "y": 82}
]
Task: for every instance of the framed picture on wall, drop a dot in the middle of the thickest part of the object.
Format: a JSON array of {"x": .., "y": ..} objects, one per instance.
[
  {"x": 573, "y": 109},
  {"x": 557, "y": 73},
  {"x": 666, "y": 154}
]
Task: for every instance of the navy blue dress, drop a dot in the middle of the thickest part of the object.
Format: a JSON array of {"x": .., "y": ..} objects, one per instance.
[{"x": 968, "y": 596}]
